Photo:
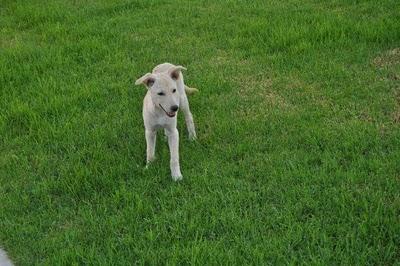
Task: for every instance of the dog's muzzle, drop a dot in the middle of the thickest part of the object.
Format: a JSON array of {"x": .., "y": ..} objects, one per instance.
[{"x": 173, "y": 112}]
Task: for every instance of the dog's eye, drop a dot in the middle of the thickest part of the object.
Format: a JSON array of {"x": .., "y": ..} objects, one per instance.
[
  {"x": 174, "y": 90},
  {"x": 161, "y": 93}
]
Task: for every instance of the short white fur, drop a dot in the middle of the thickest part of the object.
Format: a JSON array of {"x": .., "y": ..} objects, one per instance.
[
  {"x": 4, "y": 260},
  {"x": 166, "y": 91}
]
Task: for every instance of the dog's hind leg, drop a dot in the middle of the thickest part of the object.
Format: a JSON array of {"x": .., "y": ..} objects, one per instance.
[
  {"x": 151, "y": 145},
  {"x": 166, "y": 134},
  {"x": 184, "y": 106},
  {"x": 188, "y": 117}
]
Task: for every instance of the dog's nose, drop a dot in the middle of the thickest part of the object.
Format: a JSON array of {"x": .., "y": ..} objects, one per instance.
[{"x": 174, "y": 108}]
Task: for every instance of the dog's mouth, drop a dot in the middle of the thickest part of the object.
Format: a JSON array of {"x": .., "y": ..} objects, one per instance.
[{"x": 169, "y": 114}]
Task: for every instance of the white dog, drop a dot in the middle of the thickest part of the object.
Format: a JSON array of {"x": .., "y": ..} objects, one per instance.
[{"x": 166, "y": 94}]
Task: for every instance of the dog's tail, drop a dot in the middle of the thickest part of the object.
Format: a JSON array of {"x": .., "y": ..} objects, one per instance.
[{"x": 190, "y": 90}]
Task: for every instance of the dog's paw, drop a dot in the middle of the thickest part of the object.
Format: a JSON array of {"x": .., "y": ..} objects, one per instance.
[
  {"x": 192, "y": 136},
  {"x": 148, "y": 164},
  {"x": 150, "y": 160},
  {"x": 177, "y": 177}
]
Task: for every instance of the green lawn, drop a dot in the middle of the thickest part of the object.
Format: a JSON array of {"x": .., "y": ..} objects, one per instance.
[{"x": 298, "y": 119}]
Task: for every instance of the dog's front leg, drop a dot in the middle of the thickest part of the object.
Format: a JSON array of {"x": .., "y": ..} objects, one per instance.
[
  {"x": 151, "y": 145},
  {"x": 173, "y": 142}
]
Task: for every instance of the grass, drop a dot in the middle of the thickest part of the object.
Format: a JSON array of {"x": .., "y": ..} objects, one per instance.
[{"x": 298, "y": 120}]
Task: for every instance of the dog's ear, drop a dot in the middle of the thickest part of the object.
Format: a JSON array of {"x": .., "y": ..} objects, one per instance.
[
  {"x": 175, "y": 71},
  {"x": 147, "y": 79}
]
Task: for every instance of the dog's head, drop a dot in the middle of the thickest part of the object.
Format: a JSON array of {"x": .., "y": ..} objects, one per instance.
[{"x": 163, "y": 89}]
